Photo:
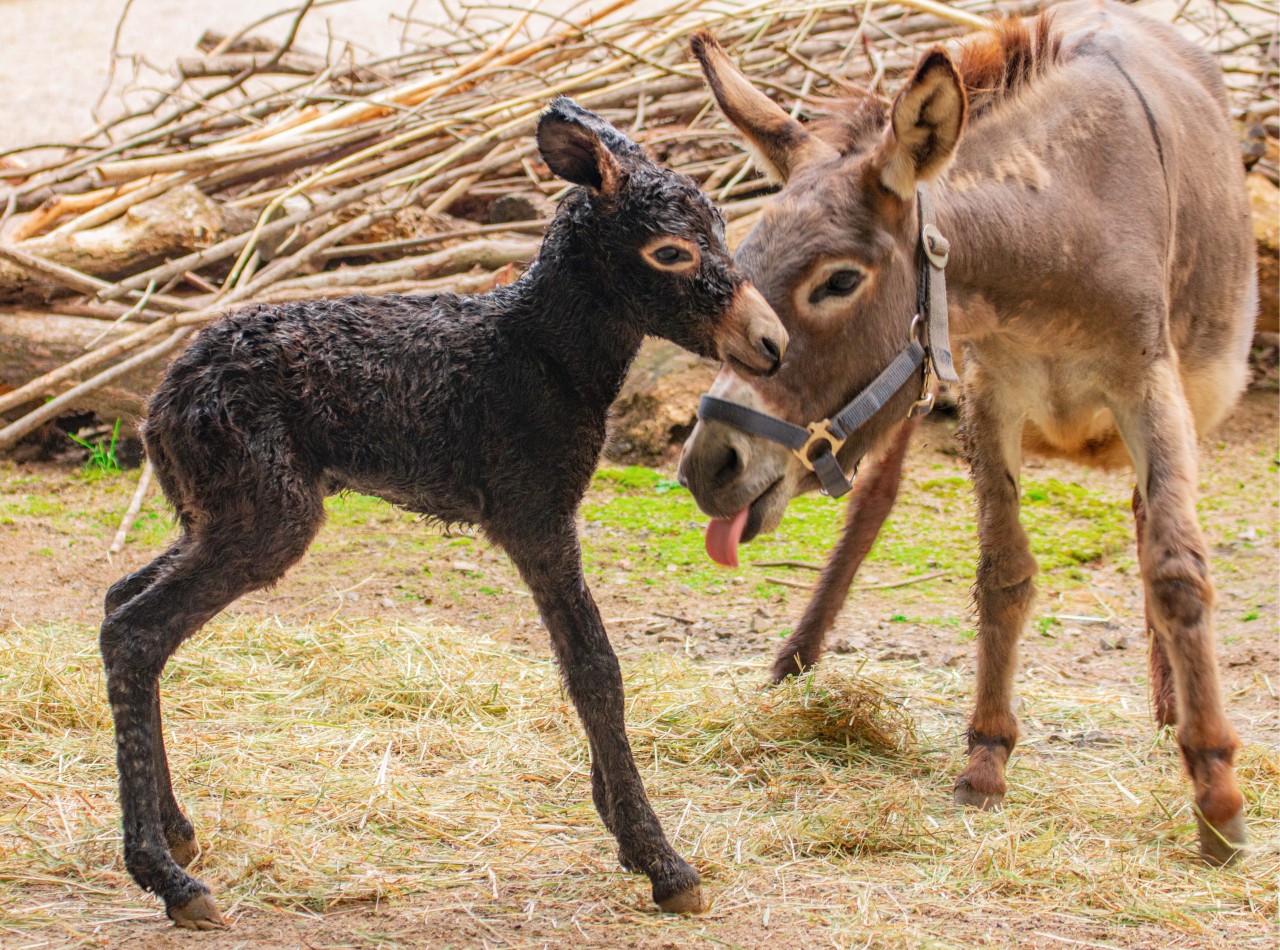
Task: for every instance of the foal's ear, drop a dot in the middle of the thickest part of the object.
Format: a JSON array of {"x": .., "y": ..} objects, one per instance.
[
  {"x": 778, "y": 142},
  {"x": 928, "y": 116},
  {"x": 579, "y": 146}
]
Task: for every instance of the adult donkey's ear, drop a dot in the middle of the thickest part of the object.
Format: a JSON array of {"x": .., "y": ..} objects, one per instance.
[
  {"x": 778, "y": 142},
  {"x": 581, "y": 147},
  {"x": 928, "y": 116}
]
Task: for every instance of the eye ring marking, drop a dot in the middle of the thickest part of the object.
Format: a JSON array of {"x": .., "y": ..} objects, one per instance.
[
  {"x": 834, "y": 281},
  {"x": 842, "y": 283},
  {"x": 674, "y": 255}
]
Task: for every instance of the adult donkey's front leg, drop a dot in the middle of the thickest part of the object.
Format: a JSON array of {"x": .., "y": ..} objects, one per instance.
[
  {"x": 551, "y": 565},
  {"x": 1159, "y": 432},
  {"x": 873, "y": 497},
  {"x": 992, "y": 433}
]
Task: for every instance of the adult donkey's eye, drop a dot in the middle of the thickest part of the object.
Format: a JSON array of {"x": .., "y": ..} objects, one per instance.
[
  {"x": 840, "y": 283},
  {"x": 843, "y": 282}
]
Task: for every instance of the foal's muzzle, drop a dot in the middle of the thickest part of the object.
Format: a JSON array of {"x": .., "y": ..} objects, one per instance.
[{"x": 751, "y": 337}]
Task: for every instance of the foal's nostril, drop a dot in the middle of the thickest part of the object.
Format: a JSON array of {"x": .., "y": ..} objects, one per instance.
[{"x": 730, "y": 469}]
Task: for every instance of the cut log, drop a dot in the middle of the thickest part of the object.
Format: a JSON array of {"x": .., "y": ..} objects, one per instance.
[
  {"x": 175, "y": 223},
  {"x": 34, "y": 342},
  {"x": 1265, "y": 200}
]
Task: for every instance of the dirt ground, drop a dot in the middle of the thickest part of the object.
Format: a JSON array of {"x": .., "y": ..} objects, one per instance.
[
  {"x": 57, "y": 569},
  {"x": 374, "y": 565}
]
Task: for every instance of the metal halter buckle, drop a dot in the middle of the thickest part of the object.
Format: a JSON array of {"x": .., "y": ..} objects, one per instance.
[
  {"x": 818, "y": 432},
  {"x": 936, "y": 247},
  {"x": 924, "y": 405}
]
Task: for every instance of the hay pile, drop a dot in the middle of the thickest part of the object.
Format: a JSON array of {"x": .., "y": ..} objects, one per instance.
[
  {"x": 267, "y": 174},
  {"x": 390, "y": 777}
]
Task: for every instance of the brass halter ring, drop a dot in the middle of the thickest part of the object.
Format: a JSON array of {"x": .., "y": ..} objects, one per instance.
[{"x": 818, "y": 432}]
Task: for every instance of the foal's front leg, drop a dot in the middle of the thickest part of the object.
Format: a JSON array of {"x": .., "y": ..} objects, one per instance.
[
  {"x": 551, "y": 565},
  {"x": 993, "y": 442}
]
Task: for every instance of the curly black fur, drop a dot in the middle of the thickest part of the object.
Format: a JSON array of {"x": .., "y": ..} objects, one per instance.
[{"x": 486, "y": 410}]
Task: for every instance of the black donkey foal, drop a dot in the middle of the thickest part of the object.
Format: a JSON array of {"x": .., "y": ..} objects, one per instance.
[{"x": 488, "y": 410}]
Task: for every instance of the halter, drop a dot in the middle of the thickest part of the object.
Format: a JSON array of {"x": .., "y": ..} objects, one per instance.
[{"x": 929, "y": 346}]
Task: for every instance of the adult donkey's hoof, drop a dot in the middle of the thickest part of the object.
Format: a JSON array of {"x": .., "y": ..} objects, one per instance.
[
  {"x": 199, "y": 913},
  {"x": 1223, "y": 843},
  {"x": 966, "y": 794}
]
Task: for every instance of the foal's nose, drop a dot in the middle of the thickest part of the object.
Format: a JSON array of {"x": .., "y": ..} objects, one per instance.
[{"x": 752, "y": 335}]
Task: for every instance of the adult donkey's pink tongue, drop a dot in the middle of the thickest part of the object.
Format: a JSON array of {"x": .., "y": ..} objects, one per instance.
[{"x": 723, "y": 536}]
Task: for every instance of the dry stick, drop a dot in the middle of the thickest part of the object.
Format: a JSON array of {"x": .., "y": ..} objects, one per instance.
[
  {"x": 535, "y": 226},
  {"x": 798, "y": 565},
  {"x": 784, "y": 582},
  {"x": 132, "y": 311},
  {"x": 131, "y": 514},
  {"x": 73, "y": 168},
  {"x": 72, "y": 278},
  {"x": 944, "y": 12},
  {"x": 118, "y": 205}
]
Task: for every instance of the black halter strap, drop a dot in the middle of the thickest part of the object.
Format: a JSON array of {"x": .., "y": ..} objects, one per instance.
[{"x": 817, "y": 444}]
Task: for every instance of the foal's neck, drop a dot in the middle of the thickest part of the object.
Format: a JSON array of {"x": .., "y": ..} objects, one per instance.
[{"x": 574, "y": 320}]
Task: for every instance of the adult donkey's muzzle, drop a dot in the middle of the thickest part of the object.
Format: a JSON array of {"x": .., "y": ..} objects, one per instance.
[{"x": 751, "y": 337}]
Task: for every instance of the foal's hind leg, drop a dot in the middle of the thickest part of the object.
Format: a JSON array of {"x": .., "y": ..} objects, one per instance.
[
  {"x": 873, "y": 498},
  {"x": 551, "y": 565},
  {"x": 131, "y": 585},
  {"x": 224, "y": 560},
  {"x": 1159, "y": 432},
  {"x": 1160, "y": 673},
  {"x": 179, "y": 834},
  {"x": 993, "y": 440}
]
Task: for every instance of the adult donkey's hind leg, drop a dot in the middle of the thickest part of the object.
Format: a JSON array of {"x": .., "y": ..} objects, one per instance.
[
  {"x": 1159, "y": 671},
  {"x": 249, "y": 546},
  {"x": 1157, "y": 428},
  {"x": 873, "y": 497},
  {"x": 551, "y": 565},
  {"x": 992, "y": 433}
]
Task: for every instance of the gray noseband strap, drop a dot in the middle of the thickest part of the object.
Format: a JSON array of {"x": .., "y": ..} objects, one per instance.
[{"x": 817, "y": 444}]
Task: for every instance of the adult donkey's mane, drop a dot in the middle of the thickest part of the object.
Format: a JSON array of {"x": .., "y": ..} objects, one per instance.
[{"x": 995, "y": 65}]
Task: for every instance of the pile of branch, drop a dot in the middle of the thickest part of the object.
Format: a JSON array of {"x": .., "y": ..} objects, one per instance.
[{"x": 266, "y": 173}]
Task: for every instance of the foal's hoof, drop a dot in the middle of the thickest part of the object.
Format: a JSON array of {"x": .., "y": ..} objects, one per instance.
[
  {"x": 686, "y": 902},
  {"x": 680, "y": 891},
  {"x": 199, "y": 913},
  {"x": 1222, "y": 844},
  {"x": 966, "y": 794},
  {"x": 183, "y": 851}
]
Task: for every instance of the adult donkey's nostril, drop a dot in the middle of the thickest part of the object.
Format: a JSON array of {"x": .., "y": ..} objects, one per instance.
[{"x": 730, "y": 468}]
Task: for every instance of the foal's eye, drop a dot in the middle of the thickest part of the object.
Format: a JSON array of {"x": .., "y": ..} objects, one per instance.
[{"x": 671, "y": 254}]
